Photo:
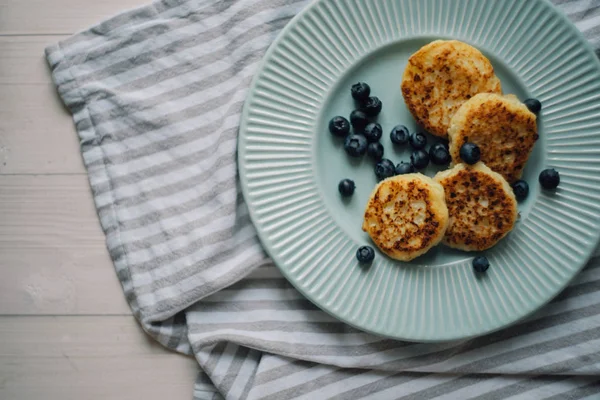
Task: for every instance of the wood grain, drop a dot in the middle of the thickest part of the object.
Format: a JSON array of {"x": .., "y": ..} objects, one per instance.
[
  {"x": 88, "y": 358},
  {"x": 23, "y": 61},
  {"x": 18, "y": 17},
  {"x": 54, "y": 259},
  {"x": 48, "y": 212},
  {"x": 37, "y": 134},
  {"x": 67, "y": 280},
  {"x": 66, "y": 331}
]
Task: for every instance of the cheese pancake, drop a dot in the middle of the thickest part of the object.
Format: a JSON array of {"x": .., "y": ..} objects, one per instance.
[
  {"x": 481, "y": 205},
  {"x": 406, "y": 216},
  {"x": 440, "y": 77},
  {"x": 503, "y": 128}
]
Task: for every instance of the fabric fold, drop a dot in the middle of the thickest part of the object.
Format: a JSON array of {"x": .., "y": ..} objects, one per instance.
[{"x": 156, "y": 95}]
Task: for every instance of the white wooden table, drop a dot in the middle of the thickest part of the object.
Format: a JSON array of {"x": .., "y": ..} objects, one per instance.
[{"x": 66, "y": 331}]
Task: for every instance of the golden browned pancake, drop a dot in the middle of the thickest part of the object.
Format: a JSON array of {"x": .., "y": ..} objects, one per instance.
[
  {"x": 440, "y": 77},
  {"x": 503, "y": 128},
  {"x": 481, "y": 205},
  {"x": 406, "y": 215}
]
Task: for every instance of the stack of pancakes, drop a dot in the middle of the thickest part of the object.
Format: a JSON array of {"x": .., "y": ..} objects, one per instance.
[{"x": 451, "y": 90}]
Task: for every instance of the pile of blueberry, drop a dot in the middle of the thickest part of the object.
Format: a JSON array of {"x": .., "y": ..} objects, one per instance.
[
  {"x": 362, "y": 135},
  {"x": 366, "y": 133}
]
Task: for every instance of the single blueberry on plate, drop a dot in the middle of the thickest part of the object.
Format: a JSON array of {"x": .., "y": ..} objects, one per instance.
[
  {"x": 439, "y": 154},
  {"x": 418, "y": 140},
  {"x": 549, "y": 178},
  {"x": 470, "y": 153},
  {"x": 373, "y": 132},
  {"x": 339, "y": 126},
  {"x": 533, "y": 105},
  {"x": 399, "y": 135},
  {"x": 372, "y": 106},
  {"x": 384, "y": 169},
  {"x": 521, "y": 189},
  {"x": 419, "y": 159},
  {"x": 355, "y": 145},
  {"x": 404, "y": 168},
  {"x": 375, "y": 151},
  {"x": 481, "y": 264},
  {"x": 346, "y": 187},
  {"x": 360, "y": 92},
  {"x": 359, "y": 120},
  {"x": 365, "y": 254}
]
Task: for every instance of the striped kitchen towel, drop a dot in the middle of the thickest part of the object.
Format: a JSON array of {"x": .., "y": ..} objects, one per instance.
[{"x": 156, "y": 95}]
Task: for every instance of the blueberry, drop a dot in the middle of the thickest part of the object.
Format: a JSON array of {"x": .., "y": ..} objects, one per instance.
[
  {"x": 375, "y": 151},
  {"x": 346, "y": 187},
  {"x": 399, "y": 135},
  {"x": 355, "y": 145},
  {"x": 481, "y": 264},
  {"x": 360, "y": 92},
  {"x": 404, "y": 168},
  {"x": 365, "y": 254},
  {"x": 419, "y": 159},
  {"x": 534, "y": 105},
  {"x": 521, "y": 189},
  {"x": 439, "y": 154},
  {"x": 549, "y": 178},
  {"x": 339, "y": 126},
  {"x": 359, "y": 120},
  {"x": 372, "y": 106},
  {"x": 470, "y": 153},
  {"x": 373, "y": 132},
  {"x": 384, "y": 169},
  {"x": 418, "y": 140}
]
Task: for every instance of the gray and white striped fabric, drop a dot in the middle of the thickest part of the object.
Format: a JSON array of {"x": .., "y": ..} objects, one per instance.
[{"x": 156, "y": 95}]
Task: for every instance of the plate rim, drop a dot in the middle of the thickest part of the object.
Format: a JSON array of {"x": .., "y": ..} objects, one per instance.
[{"x": 242, "y": 173}]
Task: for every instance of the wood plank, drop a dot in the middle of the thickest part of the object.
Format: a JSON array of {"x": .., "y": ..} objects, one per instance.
[
  {"x": 54, "y": 259},
  {"x": 55, "y": 211},
  {"x": 37, "y": 134},
  {"x": 57, "y": 16},
  {"x": 23, "y": 61},
  {"x": 88, "y": 358},
  {"x": 67, "y": 280}
]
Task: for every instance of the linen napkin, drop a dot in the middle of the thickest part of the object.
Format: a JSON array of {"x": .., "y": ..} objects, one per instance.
[{"x": 156, "y": 95}]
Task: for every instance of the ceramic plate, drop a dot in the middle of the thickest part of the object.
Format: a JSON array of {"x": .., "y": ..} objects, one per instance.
[{"x": 290, "y": 165}]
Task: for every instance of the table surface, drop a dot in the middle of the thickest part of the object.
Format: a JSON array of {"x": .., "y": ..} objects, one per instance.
[{"x": 66, "y": 331}]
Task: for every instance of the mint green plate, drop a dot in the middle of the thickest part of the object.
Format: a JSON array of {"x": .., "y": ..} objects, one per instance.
[{"x": 290, "y": 165}]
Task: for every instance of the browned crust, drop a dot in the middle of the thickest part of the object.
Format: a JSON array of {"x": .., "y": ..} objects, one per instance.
[
  {"x": 440, "y": 77},
  {"x": 482, "y": 209},
  {"x": 504, "y": 131},
  {"x": 417, "y": 237}
]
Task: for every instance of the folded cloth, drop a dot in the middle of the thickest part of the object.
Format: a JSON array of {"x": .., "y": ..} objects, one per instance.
[{"x": 156, "y": 95}]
